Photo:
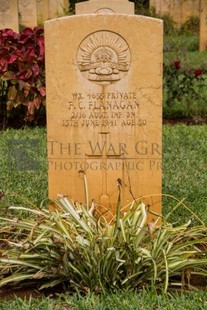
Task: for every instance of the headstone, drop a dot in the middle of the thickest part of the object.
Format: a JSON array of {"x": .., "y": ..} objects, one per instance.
[
  {"x": 179, "y": 10},
  {"x": 203, "y": 26},
  {"x": 104, "y": 108},
  {"x": 104, "y": 6},
  {"x": 58, "y": 8},
  {"x": 28, "y": 13},
  {"x": 9, "y": 15},
  {"x": 42, "y": 11},
  {"x": 190, "y": 8}
]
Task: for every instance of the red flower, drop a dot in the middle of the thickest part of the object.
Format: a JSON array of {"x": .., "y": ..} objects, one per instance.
[
  {"x": 198, "y": 72},
  {"x": 177, "y": 64}
]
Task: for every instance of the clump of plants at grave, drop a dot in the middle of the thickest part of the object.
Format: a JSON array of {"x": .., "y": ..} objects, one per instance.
[
  {"x": 191, "y": 25},
  {"x": 73, "y": 248},
  {"x": 183, "y": 90},
  {"x": 22, "y": 75}
]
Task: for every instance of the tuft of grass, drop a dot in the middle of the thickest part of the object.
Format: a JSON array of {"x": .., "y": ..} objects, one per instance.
[{"x": 71, "y": 247}]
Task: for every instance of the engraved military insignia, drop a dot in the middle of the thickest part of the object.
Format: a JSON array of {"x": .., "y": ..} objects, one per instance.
[{"x": 103, "y": 57}]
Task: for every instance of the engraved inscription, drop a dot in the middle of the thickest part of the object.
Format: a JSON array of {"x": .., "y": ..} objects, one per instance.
[
  {"x": 104, "y": 57},
  {"x": 104, "y": 109}
]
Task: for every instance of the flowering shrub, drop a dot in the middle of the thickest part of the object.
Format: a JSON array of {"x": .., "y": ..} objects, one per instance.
[
  {"x": 22, "y": 73},
  {"x": 182, "y": 85}
]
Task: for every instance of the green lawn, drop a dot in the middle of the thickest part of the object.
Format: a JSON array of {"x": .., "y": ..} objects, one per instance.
[
  {"x": 31, "y": 184},
  {"x": 119, "y": 301},
  {"x": 184, "y": 169},
  {"x": 184, "y": 48},
  {"x": 184, "y": 176}
]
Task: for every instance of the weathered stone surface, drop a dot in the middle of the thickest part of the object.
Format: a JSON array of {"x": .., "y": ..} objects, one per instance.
[
  {"x": 179, "y": 10},
  {"x": 105, "y": 6},
  {"x": 42, "y": 11},
  {"x": 9, "y": 15},
  {"x": 57, "y": 8},
  {"x": 28, "y": 13},
  {"x": 203, "y": 26},
  {"x": 104, "y": 107}
]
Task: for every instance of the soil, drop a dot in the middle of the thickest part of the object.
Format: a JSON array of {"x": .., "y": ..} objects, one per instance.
[
  {"x": 198, "y": 120},
  {"x": 9, "y": 293}
]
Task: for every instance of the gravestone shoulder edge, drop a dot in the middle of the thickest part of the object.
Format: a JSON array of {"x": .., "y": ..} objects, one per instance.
[{"x": 114, "y": 17}]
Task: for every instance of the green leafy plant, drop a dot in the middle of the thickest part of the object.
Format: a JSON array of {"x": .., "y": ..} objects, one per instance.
[
  {"x": 22, "y": 73},
  {"x": 191, "y": 25},
  {"x": 70, "y": 246},
  {"x": 180, "y": 45},
  {"x": 183, "y": 86}
]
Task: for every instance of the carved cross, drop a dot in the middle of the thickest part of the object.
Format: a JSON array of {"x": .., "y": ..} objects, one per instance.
[{"x": 104, "y": 156}]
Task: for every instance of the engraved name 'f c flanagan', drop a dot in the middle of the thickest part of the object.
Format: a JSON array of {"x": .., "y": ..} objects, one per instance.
[{"x": 104, "y": 57}]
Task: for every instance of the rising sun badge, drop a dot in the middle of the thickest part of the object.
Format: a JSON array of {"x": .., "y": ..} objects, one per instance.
[{"x": 103, "y": 57}]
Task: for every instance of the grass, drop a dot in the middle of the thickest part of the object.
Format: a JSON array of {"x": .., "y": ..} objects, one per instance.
[
  {"x": 31, "y": 184},
  {"x": 184, "y": 47},
  {"x": 184, "y": 169},
  {"x": 192, "y": 59},
  {"x": 124, "y": 300},
  {"x": 184, "y": 176}
]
